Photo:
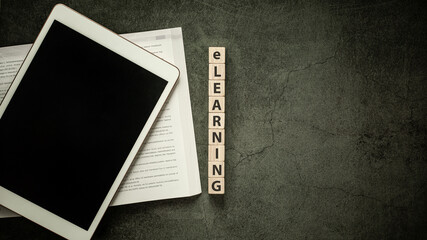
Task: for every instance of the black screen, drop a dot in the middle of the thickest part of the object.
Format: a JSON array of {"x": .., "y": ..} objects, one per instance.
[{"x": 71, "y": 124}]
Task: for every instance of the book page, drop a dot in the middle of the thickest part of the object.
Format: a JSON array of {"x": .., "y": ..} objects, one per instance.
[{"x": 166, "y": 165}]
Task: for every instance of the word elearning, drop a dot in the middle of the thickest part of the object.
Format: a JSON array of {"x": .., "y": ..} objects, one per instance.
[{"x": 216, "y": 152}]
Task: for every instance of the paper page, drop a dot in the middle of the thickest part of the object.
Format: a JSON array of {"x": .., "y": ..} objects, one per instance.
[
  {"x": 10, "y": 61},
  {"x": 187, "y": 135},
  {"x": 166, "y": 166}
]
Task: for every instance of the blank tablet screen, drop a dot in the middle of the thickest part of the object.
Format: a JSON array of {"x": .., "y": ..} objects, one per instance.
[{"x": 71, "y": 124}]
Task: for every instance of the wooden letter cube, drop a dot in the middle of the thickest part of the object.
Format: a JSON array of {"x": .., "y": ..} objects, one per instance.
[
  {"x": 216, "y": 185},
  {"x": 217, "y": 71},
  {"x": 216, "y": 153},
  {"x": 216, "y": 88},
  {"x": 216, "y": 169},
  {"x": 216, "y": 104},
  {"x": 217, "y": 55},
  {"x": 216, "y": 120},
  {"x": 216, "y": 136}
]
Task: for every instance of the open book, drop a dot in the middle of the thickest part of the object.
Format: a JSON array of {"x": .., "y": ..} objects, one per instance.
[{"x": 166, "y": 166}]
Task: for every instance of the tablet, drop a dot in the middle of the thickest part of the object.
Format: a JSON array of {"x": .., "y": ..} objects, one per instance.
[{"x": 73, "y": 119}]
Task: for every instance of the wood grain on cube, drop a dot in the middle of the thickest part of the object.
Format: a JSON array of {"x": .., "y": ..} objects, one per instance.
[
  {"x": 217, "y": 55},
  {"x": 216, "y": 137},
  {"x": 217, "y": 71},
  {"x": 216, "y": 169},
  {"x": 216, "y": 185},
  {"x": 216, "y": 120},
  {"x": 216, "y": 88},
  {"x": 216, "y": 153},
  {"x": 216, "y": 104}
]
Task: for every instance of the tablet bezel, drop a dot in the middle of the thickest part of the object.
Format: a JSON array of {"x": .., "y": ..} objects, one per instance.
[{"x": 126, "y": 49}]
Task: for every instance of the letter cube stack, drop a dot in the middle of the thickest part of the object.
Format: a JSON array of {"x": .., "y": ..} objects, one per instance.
[{"x": 216, "y": 150}]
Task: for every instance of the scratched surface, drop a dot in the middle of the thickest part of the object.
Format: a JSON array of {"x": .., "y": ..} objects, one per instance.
[{"x": 326, "y": 118}]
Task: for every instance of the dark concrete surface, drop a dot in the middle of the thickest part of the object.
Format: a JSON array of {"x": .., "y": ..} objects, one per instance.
[{"x": 326, "y": 117}]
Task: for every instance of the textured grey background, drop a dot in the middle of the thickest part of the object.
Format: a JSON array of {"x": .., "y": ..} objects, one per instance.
[{"x": 326, "y": 118}]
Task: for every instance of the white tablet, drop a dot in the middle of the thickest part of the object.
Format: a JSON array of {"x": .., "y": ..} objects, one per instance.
[{"x": 73, "y": 120}]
